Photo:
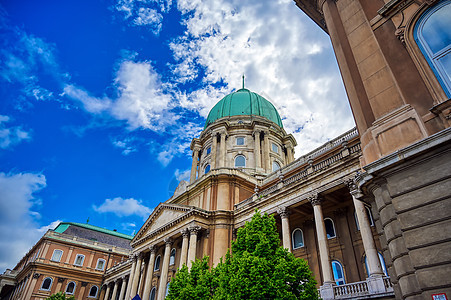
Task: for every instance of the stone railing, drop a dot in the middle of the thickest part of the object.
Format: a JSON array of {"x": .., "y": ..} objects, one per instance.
[{"x": 377, "y": 287}]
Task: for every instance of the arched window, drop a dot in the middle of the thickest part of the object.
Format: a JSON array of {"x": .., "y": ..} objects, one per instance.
[
  {"x": 208, "y": 150},
  {"x": 207, "y": 169},
  {"x": 337, "y": 269},
  {"x": 330, "y": 228},
  {"x": 297, "y": 238},
  {"x": 240, "y": 161},
  {"x": 433, "y": 36},
  {"x": 152, "y": 294},
  {"x": 275, "y": 166},
  {"x": 381, "y": 260},
  {"x": 57, "y": 254},
  {"x": 157, "y": 263},
  {"x": 369, "y": 215},
  {"x": 47, "y": 284},
  {"x": 172, "y": 257},
  {"x": 100, "y": 264},
  {"x": 93, "y": 292},
  {"x": 70, "y": 289}
]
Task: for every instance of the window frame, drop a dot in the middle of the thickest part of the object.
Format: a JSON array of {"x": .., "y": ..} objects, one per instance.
[
  {"x": 172, "y": 257},
  {"x": 333, "y": 227},
  {"x": 208, "y": 151},
  {"x": 336, "y": 262},
  {"x": 97, "y": 291},
  {"x": 381, "y": 260},
  {"x": 277, "y": 163},
  {"x": 82, "y": 260},
  {"x": 97, "y": 264},
  {"x": 50, "y": 285},
  {"x": 53, "y": 255},
  {"x": 293, "y": 239},
  {"x": 154, "y": 291},
  {"x": 67, "y": 286},
  {"x": 274, "y": 146},
  {"x": 239, "y": 156},
  {"x": 157, "y": 259},
  {"x": 239, "y": 138},
  {"x": 207, "y": 167}
]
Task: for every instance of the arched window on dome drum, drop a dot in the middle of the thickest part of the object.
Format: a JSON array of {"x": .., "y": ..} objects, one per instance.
[
  {"x": 152, "y": 294},
  {"x": 93, "y": 292},
  {"x": 47, "y": 284},
  {"x": 330, "y": 228},
  {"x": 70, "y": 289},
  {"x": 240, "y": 161},
  {"x": 337, "y": 269},
  {"x": 297, "y": 238},
  {"x": 172, "y": 257},
  {"x": 275, "y": 166},
  {"x": 433, "y": 35},
  {"x": 381, "y": 260},
  {"x": 207, "y": 169},
  {"x": 157, "y": 263}
]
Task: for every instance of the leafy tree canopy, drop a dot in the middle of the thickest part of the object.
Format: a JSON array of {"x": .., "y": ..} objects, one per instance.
[
  {"x": 60, "y": 296},
  {"x": 258, "y": 268}
]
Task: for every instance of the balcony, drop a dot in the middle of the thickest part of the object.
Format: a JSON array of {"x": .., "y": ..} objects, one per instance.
[{"x": 371, "y": 288}]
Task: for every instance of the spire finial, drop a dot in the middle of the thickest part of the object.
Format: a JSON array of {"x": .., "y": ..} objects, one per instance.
[{"x": 243, "y": 81}]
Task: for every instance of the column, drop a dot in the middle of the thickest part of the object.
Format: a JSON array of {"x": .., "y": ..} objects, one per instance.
[
  {"x": 322, "y": 239},
  {"x": 290, "y": 153},
  {"x": 192, "y": 244},
  {"x": 222, "y": 150},
  {"x": 149, "y": 273},
  {"x": 71, "y": 249},
  {"x": 60, "y": 284},
  {"x": 142, "y": 278},
  {"x": 116, "y": 286},
  {"x": 257, "y": 156},
  {"x": 123, "y": 287},
  {"x": 372, "y": 258},
  {"x": 107, "y": 293},
  {"x": 192, "y": 177},
  {"x": 164, "y": 269},
  {"x": 286, "y": 239},
  {"x": 46, "y": 249},
  {"x": 266, "y": 162},
  {"x": 184, "y": 251},
  {"x": 91, "y": 257},
  {"x": 130, "y": 278},
  {"x": 213, "y": 151},
  {"x": 136, "y": 276},
  {"x": 29, "y": 291},
  {"x": 81, "y": 294}
]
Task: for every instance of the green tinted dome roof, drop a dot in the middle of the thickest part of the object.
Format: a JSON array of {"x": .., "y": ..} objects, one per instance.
[{"x": 246, "y": 103}]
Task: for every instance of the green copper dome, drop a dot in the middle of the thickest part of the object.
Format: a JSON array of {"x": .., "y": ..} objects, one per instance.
[{"x": 246, "y": 103}]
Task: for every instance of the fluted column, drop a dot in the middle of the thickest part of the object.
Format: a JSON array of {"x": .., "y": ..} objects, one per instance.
[
  {"x": 322, "y": 239},
  {"x": 257, "y": 156},
  {"x": 116, "y": 286},
  {"x": 194, "y": 165},
  {"x": 192, "y": 244},
  {"x": 213, "y": 150},
  {"x": 222, "y": 152},
  {"x": 184, "y": 252},
  {"x": 286, "y": 240},
  {"x": 372, "y": 258},
  {"x": 266, "y": 158},
  {"x": 290, "y": 153},
  {"x": 149, "y": 273},
  {"x": 107, "y": 293},
  {"x": 164, "y": 269},
  {"x": 123, "y": 288},
  {"x": 130, "y": 278},
  {"x": 136, "y": 276}
]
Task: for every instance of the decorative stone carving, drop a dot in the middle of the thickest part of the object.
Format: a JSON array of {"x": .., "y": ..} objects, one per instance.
[
  {"x": 185, "y": 232},
  {"x": 152, "y": 249},
  {"x": 399, "y": 33},
  {"x": 36, "y": 275},
  {"x": 168, "y": 241},
  {"x": 84, "y": 283},
  {"x": 61, "y": 279},
  {"x": 315, "y": 199},
  {"x": 283, "y": 212},
  {"x": 194, "y": 229}
]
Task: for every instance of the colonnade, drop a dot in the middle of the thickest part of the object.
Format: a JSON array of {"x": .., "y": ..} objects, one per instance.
[
  {"x": 142, "y": 270},
  {"x": 374, "y": 265}
]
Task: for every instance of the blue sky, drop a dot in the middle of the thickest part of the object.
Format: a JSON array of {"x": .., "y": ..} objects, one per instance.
[{"x": 100, "y": 100}]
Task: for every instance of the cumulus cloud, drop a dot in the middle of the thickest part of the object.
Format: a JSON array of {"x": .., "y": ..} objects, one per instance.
[
  {"x": 182, "y": 175},
  {"x": 126, "y": 145},
  {"x": 123, "y": 207},
  {"x": 144, "y": 13},
  {"x": 18, "y": 227},
  {"x": 11, "y": 136}
]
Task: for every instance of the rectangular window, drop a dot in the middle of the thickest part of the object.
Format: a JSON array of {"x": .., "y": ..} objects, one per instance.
[
  {"x": 275, "y": 148},
  {"x": 79, "y": 260},
  {"x": 240, "y": 141},
  {"x": 57, "y": 254},
  {"x": 100, "y": 264}
]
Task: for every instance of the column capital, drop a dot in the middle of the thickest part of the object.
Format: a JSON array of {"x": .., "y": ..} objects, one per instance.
[
  {"x": 140, "y": 255},
  {"x": 354, "y": 190},
  {"x": 256, "y": 132},
  {"x": 185, "y": 233},
  {"x": 283, "y": 211},
  {"x": 123, "y": 277},
  {"x": 315, "y": 199},
  {"x": 152, "y": 249},
  {"x": 168, "y": 241},
  {"x": 61, "y": 279},
  {"x": 84, "y": 283},
  {"x": 194, "y": 229},
  {"x": 36, "y": 275}
]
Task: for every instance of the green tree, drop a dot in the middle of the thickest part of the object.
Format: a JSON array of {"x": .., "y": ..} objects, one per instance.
[
  {"x": 60, "y": 296},
  {"x": 258, "y": 268}
]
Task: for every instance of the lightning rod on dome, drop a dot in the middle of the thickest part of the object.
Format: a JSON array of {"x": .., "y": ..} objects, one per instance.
[{"x": 243, "y": 81}]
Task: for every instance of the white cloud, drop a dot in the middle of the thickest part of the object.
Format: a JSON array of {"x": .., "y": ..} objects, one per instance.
[
  {"x": 123, "y": 207},
  {"x": 144, "y": 13},
  {"x": 11, "y": 136},
  {"x": 182, "y": 175},
  {"x": 126, "y": 145},
  {"x": 18, "y": 228}
]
